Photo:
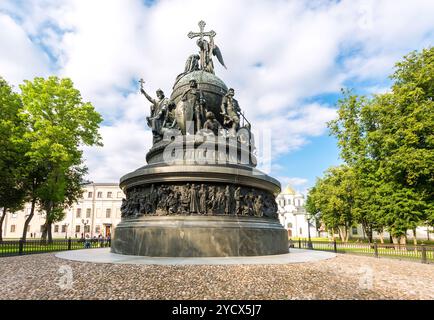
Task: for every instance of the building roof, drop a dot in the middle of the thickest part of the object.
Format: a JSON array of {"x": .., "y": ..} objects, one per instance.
[
  {"x": 289, "y": 190},
  {"x": 107, "y": 184}
]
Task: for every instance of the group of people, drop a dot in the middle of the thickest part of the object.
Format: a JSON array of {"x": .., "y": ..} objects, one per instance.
[
  {"x": 100, "y": 240},
  {"x": 200, "y": 199}
]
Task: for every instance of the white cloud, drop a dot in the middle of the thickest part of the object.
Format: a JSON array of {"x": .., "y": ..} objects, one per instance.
[
  {"x": 278, "y": 54},
  {"x": 19, "y": 58}
]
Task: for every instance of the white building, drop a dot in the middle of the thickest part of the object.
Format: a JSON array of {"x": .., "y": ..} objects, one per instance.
[
  {"x": 293, "y": 215},
  {"x": 98, "y": 212}
]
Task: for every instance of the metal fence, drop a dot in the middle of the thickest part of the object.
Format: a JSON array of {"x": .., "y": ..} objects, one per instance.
[
  {"x": 24, "y": 247},
  {"x": 422, "y": 253}
]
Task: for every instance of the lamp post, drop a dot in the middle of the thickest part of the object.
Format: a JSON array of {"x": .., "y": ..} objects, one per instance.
[
  {"x": 86, "y": 242},
  {"x": 309, "y": 243},
  {"x": 85, "y": 223},
  {"x": 66, "y": 230}
]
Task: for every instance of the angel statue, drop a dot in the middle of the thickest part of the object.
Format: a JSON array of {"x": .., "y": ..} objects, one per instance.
[{"x": 207, "y": 49}]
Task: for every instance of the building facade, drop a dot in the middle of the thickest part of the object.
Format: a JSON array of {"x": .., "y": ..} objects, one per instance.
[
  {"x": 293, "y": 215},
  {"x": 96, "y": 213}
]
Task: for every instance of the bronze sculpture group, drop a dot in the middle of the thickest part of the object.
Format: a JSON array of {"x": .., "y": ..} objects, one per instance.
[{"x": 193, "y": 105}]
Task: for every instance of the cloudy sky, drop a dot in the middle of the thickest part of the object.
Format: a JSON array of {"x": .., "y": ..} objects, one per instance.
[{"x": 287, "y": 61}]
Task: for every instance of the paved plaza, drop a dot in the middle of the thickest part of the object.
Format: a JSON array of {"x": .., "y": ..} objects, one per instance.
[
  {"x": 105, "y": 256},
  {"x": 45, "y": 276}
]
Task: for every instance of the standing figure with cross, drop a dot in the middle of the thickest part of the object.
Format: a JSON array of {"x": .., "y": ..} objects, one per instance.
[
  {"x": 159, "y": 108},
  {"x": 207, "y": 49}
]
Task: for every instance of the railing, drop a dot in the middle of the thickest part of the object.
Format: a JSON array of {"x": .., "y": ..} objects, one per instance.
[
  {"x": 24, "y": 247},
  {"x": 423, "y": 253}
]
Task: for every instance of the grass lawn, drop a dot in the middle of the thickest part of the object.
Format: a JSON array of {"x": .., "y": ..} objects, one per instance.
[
  {"x": 9, "y": 248},
  {"x": 358, "y": 240},
  {"x": 362, "y": 248}
]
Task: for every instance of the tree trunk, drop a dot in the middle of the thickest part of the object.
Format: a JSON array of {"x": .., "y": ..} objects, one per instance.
[
  {"x": 29, "y": 218},
  {"x": 370, "y": 235},
  {"x": 1, "y": 223},
  {"x": 381, "y": 237},
  {"x": 414, "y": 237},
  {"x": 368, "y": 231},
  {"x": 44, "y": 233},
  {"x": 343, "y": 234},
  {"x": 47, "y": 226},
  {"x": 50, "y": 235}
]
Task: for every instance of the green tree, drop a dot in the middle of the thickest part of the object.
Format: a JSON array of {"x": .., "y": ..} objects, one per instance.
[
  {"x": 58, "y": 123},
  {"x": 332, "y": 198},
  {"x": 11, "y": 153},
  {"x": 388, "y": 139}
]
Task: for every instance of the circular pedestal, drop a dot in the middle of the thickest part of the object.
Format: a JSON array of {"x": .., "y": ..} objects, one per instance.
[{"x": 200, "y": 236}]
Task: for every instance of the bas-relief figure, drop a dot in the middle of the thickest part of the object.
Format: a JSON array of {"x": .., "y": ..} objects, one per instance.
[
  {"x": 203, "y": 194},
  {"x": 208, "y": 199}
]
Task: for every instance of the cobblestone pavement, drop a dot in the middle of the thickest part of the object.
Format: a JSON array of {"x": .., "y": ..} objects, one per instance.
[{"x": 43, "y": 276}]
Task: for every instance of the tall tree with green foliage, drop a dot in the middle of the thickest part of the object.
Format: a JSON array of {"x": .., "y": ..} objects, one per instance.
[
  {"x": 388, "y": 140},
  {"x": 58, "y": 123},
  {"x": 12, "y": 193}
]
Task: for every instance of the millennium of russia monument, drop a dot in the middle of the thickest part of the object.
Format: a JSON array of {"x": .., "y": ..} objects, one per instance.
[{"x": 200, "y": 194}]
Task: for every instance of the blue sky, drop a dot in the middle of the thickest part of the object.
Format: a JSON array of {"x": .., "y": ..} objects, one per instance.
[{"x": 287, "y": 61}]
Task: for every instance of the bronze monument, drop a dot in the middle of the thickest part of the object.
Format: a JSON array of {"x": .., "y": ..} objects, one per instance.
[{"x": 200, "y": 194}]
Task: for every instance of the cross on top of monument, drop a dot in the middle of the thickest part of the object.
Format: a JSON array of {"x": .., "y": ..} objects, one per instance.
[{"x": 202, "y": 33}]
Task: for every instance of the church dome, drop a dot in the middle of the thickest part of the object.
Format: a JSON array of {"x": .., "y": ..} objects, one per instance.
[
  {"x": 213, "y": 89},
  {"x": 289, "y": 190}
]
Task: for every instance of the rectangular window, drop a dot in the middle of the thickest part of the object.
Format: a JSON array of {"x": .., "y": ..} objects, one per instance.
[
  {"x": 87, "y": 228},
  {"x": 42, "y": 228},
  {"x": 88, "y": 212},
  {"x": 108, "y": 213},
  {"x": 301, "y": 231},
  {"x": 99, "y": 194},
  {"x": 355, "y": 230},
  {"x": 64, "y": 228},
  {"x": 13, "y": 228},
  {"x": 78, "y": 213},
  {"x": 77, "y": 228},
  {"x": 89, "y": 194},
  {"x": 56, "y": 228},
  {"x": 109, "y": 194},
  {"x": 97, "y": 229}
]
